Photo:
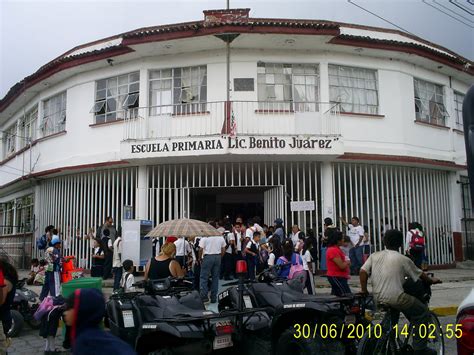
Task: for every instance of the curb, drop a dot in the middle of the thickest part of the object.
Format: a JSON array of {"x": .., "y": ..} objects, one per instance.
[{"x": 445, "y": 311}]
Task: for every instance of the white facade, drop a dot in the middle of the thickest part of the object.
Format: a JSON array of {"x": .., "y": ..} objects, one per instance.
[{"x": 89, "y": 170}]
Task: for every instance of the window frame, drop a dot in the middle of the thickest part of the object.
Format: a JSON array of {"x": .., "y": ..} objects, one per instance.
[
  {"x": 9, "y": 138},
  {"x": 117, "y": 90},
  {"x": 284, "y": 79},
  {"x": 458, "y": 120},
  {"x": 170, "y": 81},
  {"x": 24, "y": 213},
  {"x": 28, "y": 127},
  {"x": 58, "y": 117},
  {"x": 425, "y": 111},
  {"x": 375, "y": 108}
]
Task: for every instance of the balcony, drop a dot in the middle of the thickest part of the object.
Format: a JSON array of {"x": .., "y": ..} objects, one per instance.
[{"x": 248, "y": 118}]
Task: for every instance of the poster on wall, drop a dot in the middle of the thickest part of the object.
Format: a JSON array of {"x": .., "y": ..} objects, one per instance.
[{"x": 299, "y": 206}]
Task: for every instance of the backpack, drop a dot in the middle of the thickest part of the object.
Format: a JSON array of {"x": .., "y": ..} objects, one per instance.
[
  {"x": 417, "y": 241},
  {"x": 297, "y": 270},
  {"x": 41, "y": 242}
]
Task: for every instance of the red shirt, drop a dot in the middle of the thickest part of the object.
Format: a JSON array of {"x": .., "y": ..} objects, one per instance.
[
  {"x": 334, "y": 270},
  {"x": 2, "y": 279}
]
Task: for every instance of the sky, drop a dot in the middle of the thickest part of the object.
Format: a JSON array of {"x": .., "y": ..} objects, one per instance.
[{"x": 34, "y": 32}]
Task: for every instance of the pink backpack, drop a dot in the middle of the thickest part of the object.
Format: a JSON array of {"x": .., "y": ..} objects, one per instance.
[
  {"x": 45, "y": 306},
  {"x": 297, "y": 270}
]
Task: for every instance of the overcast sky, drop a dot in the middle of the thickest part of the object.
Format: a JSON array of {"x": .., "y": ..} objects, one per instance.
[{"x": 34, "y": 32}]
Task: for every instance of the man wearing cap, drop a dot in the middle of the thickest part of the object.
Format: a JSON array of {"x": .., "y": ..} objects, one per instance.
[
  {"x": 279, "y": 230},
  {"x": 53, "y": 258}
]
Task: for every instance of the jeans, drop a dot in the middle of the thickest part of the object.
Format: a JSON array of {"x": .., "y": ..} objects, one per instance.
[
  {"x": 197, "y": 275},
  {"x": 107, "y": 266},
  {"x": 117, "y": 271},
  {"x": 417, "y": 312},
  {"x": 339, "y": 286},
  {"x": 51, "y": 285},
  {"x": 228, "y": 261},
  {"x": 356, "y": 256},
  {"x": 211, "y": 265}
]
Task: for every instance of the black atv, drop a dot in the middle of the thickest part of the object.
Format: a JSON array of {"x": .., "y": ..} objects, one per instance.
[
  {"x": 169, "y": 317},
  {"x": 301, "y": 324},
  {"x": 23, "y": 308}
]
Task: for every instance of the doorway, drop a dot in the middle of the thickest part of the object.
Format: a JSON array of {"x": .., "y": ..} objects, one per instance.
[{"x": 207, "y": 203}]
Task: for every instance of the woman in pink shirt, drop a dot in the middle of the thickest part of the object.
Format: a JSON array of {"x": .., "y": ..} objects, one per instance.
[{"x": 338, "y": 265}]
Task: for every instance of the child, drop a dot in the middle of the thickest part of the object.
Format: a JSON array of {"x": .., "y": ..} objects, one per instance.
[
  {"x": 252, "y": 252},
  {"x": 40, "y": 275},
  {"x": 85, "y": 310},
  {"x": 98, "y": 257},
  {"x": 53, "y": 257},
  {"x": 33, "y": 271},
  {"x": 128, "y": 279}
]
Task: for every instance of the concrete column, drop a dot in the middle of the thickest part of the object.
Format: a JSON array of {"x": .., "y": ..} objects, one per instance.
[
  {"x": 141, "y": 209},
  {"x": 324, "y": 83},
  {"x": 327, "y": 190},
  {"x": 455, "y": 201}
]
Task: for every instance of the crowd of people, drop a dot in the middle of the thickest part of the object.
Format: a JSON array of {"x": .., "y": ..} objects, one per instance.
[{"x": 339, "y": 252}]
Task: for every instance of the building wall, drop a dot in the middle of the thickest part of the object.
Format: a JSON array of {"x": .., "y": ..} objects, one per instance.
[{"x": 396, "y": 133}]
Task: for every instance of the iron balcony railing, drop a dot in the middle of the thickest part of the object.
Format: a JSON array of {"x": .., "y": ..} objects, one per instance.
[{"x": 232, "y": 118}]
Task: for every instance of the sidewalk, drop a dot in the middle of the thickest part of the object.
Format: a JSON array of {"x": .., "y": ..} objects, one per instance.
[{"x": 446, "y": 297}]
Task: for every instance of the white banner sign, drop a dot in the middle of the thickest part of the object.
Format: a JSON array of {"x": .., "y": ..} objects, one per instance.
[
  {"x": 297, "y": 206},
  {"x": 231, "y": 145}
]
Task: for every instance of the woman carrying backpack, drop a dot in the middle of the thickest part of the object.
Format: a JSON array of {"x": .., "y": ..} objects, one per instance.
[
  {"x": 415, "y": 243},
  {"x": 292, "y": 263}
]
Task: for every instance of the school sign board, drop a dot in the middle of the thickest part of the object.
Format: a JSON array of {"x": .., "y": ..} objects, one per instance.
[{"x": 300, "y": 206}]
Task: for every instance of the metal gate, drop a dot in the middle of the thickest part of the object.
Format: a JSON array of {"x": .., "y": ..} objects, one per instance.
[
  {"x": 468, "y": 218},
  {"x": 169, "y": 186},
  {"x": 274, "y": 204}
]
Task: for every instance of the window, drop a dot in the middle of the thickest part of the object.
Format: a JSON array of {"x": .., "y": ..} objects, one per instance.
[
  {"x": 458, "y": 99},
  {"x": 24, "y": 213},
  {"x": 7, "y": 208},
  {"x": 429, "y": 103},
  {"x": 355, "y": 89},
  {"x": 28, "y": 127},
  {"x": 9, "y": 141},
  {"x": 178, "y": 90},
  {"x": 292, "y": 87},
  {"x": 54, "y": 115},
  {"x": 113, "y": 96}
]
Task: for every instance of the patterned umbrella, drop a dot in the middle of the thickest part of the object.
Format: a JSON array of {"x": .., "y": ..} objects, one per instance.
[{"x": 184, "y": 228}]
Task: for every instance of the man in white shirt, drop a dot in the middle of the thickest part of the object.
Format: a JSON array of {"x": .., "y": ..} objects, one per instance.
[
  {"x": 228, "y": 259},
  {"x": 183, "y": 249},
  {"x": 211, "y": 250},
  {"x": 117, "y": 269},
  {"x": 388, "y": 270},
  {"x": 356, "y": 232}
]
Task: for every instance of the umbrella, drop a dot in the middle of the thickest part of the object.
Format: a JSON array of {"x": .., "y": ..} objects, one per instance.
[{"x": 184, "y": 228}]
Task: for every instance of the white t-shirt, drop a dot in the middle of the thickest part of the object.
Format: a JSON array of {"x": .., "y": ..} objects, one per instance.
[
  {"x": 180, "y": 247},
  {"x": 271, "y": 259},
  {"x": 249, "y": 232},
  {"x": 238, "y": 242},
  {"x": 294, "y": 238},
  {"x": 128, "y": 286},
  {"x": 249, "y": 245},
  {"x": 117, "y": 262},
  {"x": 212, "y": 245},
  {"x": 391, "y": 268},
  {"x": 230, "y": 236},
  {"x": 355, "y": 233},
  {"x": 307, "y": 258}
]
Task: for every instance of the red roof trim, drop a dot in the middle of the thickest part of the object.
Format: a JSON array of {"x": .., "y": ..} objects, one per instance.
[
  {"x": 55, "y": 67},
  {"x": 401, "y": 159},
  {"x": 388, "y": 45},
  {"x": 207, "y": 31}
]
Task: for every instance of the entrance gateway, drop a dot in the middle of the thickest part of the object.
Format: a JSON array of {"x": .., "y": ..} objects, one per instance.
[{"x": 215, "y": 190}]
